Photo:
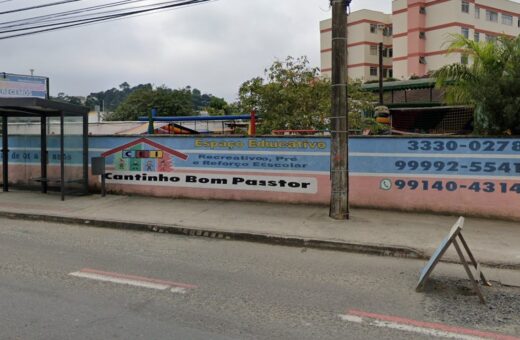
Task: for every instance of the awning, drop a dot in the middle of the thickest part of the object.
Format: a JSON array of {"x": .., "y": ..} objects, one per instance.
[{"x": 414, "y": 84}]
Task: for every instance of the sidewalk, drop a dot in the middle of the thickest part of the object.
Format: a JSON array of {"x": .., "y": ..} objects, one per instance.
[{"x": 494, "y": 243}]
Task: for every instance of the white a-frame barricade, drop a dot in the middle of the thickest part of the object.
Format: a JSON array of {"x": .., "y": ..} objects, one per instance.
[{"x": 454, "y": 237}]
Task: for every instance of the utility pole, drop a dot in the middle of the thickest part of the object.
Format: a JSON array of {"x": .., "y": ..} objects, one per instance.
[
  {"x": 381, "y": 48},
  {"x": 339, "y": 205}
]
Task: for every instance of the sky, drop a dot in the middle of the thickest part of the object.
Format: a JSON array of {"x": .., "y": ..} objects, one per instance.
[{"x": 214, "y": 47}]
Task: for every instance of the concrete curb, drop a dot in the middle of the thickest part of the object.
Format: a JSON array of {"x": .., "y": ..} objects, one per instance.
[{"x": 292, "y": 241}]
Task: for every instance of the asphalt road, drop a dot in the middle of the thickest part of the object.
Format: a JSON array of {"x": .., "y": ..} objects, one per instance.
[{"x": 243, "y": 290}]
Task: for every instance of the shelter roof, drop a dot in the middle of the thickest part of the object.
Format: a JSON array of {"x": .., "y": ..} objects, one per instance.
[{"x": 37, "y": 107}]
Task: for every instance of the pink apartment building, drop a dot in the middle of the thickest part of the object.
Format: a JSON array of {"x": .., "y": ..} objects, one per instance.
[{"x": 416, "y": 35}]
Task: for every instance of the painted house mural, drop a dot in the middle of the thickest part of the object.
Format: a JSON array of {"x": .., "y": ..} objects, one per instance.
[{"x": 144, "y": 155}]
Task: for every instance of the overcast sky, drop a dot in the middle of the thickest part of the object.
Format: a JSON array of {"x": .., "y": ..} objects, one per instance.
[{"x": 214, "y": 46}]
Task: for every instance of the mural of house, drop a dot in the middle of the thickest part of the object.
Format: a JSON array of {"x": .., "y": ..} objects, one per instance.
[{"x": 144, "y": 155}]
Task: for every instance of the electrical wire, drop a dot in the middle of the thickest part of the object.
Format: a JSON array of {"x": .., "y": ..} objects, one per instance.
[
  {"x": 69, "y": 14},
  {"x": 63, "y": 16},
  {"x": 43, "y": 18},
  {"x": 100, "y": 18},
  {"x": 38, "y": 6}
]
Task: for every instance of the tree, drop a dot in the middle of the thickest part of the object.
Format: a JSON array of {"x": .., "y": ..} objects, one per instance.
[
  {"x": 109, "y": 100},
  {"x": 490, "y": 82},
  {"x": 64, "y": 98},
  {"x": 208, "y": 102},
  {"x": 167, "y": 101},
  {"x": 196, "y": 98},
  {"x": 128, "y": 103},
  {"x": 180, "y": 104},
  {"x": 219, "y": 107},
  {"x": 293, "y": 97}
]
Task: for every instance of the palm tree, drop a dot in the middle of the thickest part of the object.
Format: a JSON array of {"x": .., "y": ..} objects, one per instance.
[{"x": 490, "y": 82}]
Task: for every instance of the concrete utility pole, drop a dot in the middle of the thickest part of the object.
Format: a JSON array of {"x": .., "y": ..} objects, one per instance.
[
  {"x": 381, "y": 98},
  {"x": 339, "y": 207}
]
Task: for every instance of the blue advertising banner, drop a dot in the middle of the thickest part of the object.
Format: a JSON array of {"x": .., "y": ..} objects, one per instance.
[
  {"x": 453, "y": 157},
  {"x": 18, "y": 86}
]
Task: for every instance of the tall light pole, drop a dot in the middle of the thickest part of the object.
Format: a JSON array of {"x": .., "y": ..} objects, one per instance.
[{"x": 339, "y": 205}]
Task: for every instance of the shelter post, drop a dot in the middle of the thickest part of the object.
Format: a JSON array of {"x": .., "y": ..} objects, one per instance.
[
  {"x": 43, "y": 153},
  {"x": 85, "y": 153},
  {"x": 62, "y": 156},
  {"x": 5, "y": 155}
]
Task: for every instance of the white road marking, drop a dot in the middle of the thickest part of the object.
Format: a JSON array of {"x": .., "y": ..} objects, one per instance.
[
  {"x": 120, "y": 280},
  {"x": 408, "y": 328},
  {"x": 178, "y": 290},
  {"x": 131, "y": 280},
  {"x": 425, "y": 331},
  {"x": 351, "y": 318}
]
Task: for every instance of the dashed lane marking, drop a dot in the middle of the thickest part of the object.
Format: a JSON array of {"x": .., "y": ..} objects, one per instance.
[
  {"x": 132, "y": 280},
  {"x": 425, "y": 328}
]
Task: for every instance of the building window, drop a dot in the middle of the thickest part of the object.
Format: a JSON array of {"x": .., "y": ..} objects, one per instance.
[
  {"x": 373, "y": 49},
  {"x": 465, "y": 32},
  {"x": 388, "y": 73},
  {"x": 388, "y": 31},
  {"x": 388, "y": 52},
  {"x": 373, "y": 71},
  {"x": 464, "y": 59},
  {"x": 422, "y": 10},
  {"x": 465, "y": 6},
  {"x": 422, "y": 35},
  {"x": 422, "y": 60},
  {"x": 477, "y": 37},
  {"x": 477, "y": 12},
  {"x": 373, "y": 28},
  {"x": 491, "y": 16},
  {"x": 507, "y": 19}
]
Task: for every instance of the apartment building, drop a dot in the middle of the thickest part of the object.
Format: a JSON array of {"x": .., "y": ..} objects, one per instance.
[
  {"x": 366, "y": 30},
  {"x": 416, "y": 35}
]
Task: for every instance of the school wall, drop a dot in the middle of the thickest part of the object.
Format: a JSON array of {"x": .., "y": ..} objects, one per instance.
[{"x": 468, "y": 176}]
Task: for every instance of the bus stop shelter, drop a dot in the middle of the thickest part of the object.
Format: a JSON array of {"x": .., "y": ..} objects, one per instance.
[{"x": 42, "y": 109}]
